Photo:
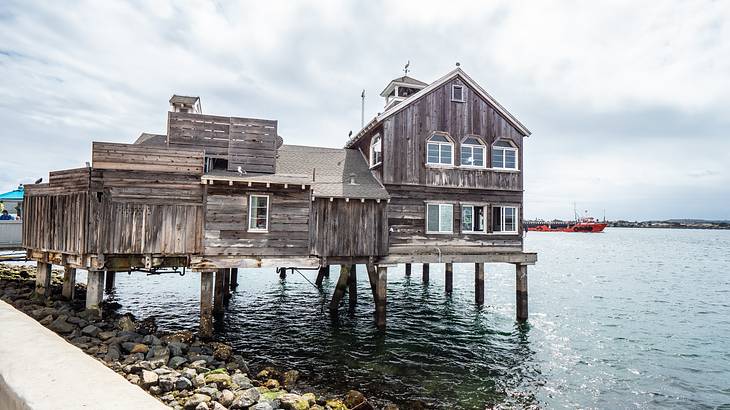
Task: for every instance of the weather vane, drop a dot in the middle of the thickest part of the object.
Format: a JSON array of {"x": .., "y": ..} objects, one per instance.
[{"x": 405, "y": 69}]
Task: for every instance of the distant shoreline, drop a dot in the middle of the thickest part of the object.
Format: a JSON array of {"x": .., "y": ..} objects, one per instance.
[{"x": 668, "y": 224}]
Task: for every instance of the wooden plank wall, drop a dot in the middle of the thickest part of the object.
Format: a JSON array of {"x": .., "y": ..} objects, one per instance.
[
  {"x": 405, "y": 134},
  {"x": 407, "y": 216},
  {"x": 245, "y": 142},
  {"x": 353, "y": 228},
  {"x": 131, "y": 157},
  {"x": 226, "y": 222}
]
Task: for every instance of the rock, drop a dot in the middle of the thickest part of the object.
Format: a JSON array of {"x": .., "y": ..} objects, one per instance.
[
  {"x": 353, "y": 398},
  {"x": 262, "y": 406},
  {"x": 61, "y": 326},
  {"x": 199, "y": 366},
  {"x": 158, "y": 353},
  {"x": 217, "y": 406},
  {"x": 126, "y": 323},
  {"x": 209, "y": 391},
  {"x": 128, "y": 346},
  {"x": 147, "y": 326},
  {"x": 196, "y": 399},
  {"x": 183, "y": 336},
  {"x": 336, "y": 405},
  {"x": 272, "y": 384},
  {"x": 133, "y": 378},
  {"x": 221, "y": 379},
  {"x": 246, "y": 398},
  {"x": 140, "y": 348},
  {"x": 222, "y": 351},
  {"x": 151, "y": 340},
  {"x": 91, "y": 330},
  {"x": 177, "y": 348},
  {"x": 189, "y": 373},
  {"x": 239, "y": 360},
  {"x": 311, "y": 398},
  {"x": 226, "y": 398},
  {"x": 133, "y": 358},
  {"x": 291, "y": 401},
  {"x": 183, "y": 383},
  {"x": 176, "y": 362},
  {"x": 290, "y": 378},
  {"x": 107, "y": 335},
  {"x": 199, "y": 380},
  {"x": 166, "y": 383},
  {"x": 241, "y": 380},
  {"x": 316, "y": 407},
  {"x": 46, "y": 320},
  {"x": 390, "y": 406},
  {"x": 155, "y": 390},
  {"x": 113, "y": 353},
  {"x": 149, "y": 378},
  {"x": 202, "y": 406}
]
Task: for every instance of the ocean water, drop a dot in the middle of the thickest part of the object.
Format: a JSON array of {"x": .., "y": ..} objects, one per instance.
[{"x": 629, "y": 318}]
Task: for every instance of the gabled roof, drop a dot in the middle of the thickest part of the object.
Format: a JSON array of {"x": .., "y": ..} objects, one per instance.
[
  {"x": 146, "y": 138},
  {"x": 457, "y": 72},
  {"x": 331, "y": 168},
  {"x": 183, "y": 99},
  {"x": 405, "y": 80}
]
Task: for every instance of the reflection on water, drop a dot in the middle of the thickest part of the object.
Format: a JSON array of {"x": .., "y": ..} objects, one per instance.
[{"x": 624, "y": 319}]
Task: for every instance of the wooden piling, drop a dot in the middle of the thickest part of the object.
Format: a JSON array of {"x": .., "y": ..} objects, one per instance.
[
  {"x": 323, "y": 270},
  {"x": 352, "y": 287},
  {"x": 219, "y": 292},
  {"x": 109, "y": 281},
  {"x": 380, "y": 300},
  {"x": 69, "y": 283},
  {"x": 226, "y": 285},
  {"x": 43, "y": 279},
  {"x": 94, "y": 289},
  {"x": 425, "y": 272},
  {"x": 234, "y": 278},
  {"x": 408, "y": 269},
  {"x": 206, "y": 308},
  {"x": 449, "y": 279},
  {"x": 479, "y": 283},
  {"x": 521, "y": 285},
  {"x": 340, "y": 288},
  {"x": 282, "y": 273}
]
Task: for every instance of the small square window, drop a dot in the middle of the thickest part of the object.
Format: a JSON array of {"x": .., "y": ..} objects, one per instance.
[
  {"x": 457, "y": 93},
  {"x": 258, "y": 213},
  {"x": 439, "y": 218}
]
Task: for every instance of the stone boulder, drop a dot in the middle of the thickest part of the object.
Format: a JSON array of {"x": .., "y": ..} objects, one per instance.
[
  {"x": 291, "y": 401},
  {"x": 354, "y": 398}
]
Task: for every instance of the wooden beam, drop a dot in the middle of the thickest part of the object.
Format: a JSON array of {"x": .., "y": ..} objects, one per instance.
[
  {"x": 408, "y": 269},
  {"x": 340, "y": 288},
  {"x": 449, "y": 279},
  {"x": 479, "y": 283},
  {"x": 43, "y": 279},
  {"x": 352, "y": 287},
  {"x": 521, "y": 285},
  {"x": 69, "y": 282},
  {"x": 234, "y": 278},
  {"x": 94, "y": 289},
  {"x": 206, "y": 308},
  {"x": 426, "y": 271},
  {"x": 226, "y": 285},
  {"x": 109, "y": 281},
  {"x": 402, "y": 254},
  {"x": 323, "y": 271},
  {"x": 380, "y": 300},
  {"x": 219, "y": 293}
]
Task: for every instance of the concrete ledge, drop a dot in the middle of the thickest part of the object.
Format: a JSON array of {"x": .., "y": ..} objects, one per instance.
[{"x": 39, "y": 370}]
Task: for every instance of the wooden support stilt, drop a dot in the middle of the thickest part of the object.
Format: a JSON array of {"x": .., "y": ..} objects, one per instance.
[
  {"x": 226, "y": 285},
  {"x": 206, "y": 308},
  {"x": 94, "y": 289},
  {"x": 323, "y": 270},
  {"x": 373, "y": 279},
  {"x": 43, "y": 279},
  {"x": 449, "y": 278},
  {"x": 352, "y": 287},
  {"x": 479, "y": 283},
  {"x": 282, "y": 273},
  {"x": 340, "y": 288},
  {"x": 234, "y": 278},
  {"x": 425, "y": 272},
  {"x": 109, "y": 281},
  {"x": 380, "y": 300},
  {"x": 219, "y": 292},
  {"x": 408, "y": 269},
  {"x": 69, "y": 283},
  {"x": 521, "y": 285}
]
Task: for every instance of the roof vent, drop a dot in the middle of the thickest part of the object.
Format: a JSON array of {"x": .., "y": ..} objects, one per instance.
[{"x": 352, "y": 179}]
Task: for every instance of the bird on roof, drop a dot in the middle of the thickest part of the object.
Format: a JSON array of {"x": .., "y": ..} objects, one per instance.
[{"x": 350, "y": 134}]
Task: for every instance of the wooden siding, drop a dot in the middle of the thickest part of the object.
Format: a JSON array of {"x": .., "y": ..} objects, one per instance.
[
  {"x": 55, "y": 222},
  {"x": 245, "y": 142},
  {"x": 131, "y": 157},
  {"x": 407, "y": 217},
  {"x": 405, "y": 134},
  {"x": 226, "y": 222},
  {"x": 354, "y": 228}
]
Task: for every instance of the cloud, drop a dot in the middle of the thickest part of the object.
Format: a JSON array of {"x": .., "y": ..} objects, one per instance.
[{"x": 627, "y": 102}]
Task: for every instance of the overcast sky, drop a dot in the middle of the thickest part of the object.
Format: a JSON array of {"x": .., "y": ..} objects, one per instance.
[{"x": 628, "y": 102}]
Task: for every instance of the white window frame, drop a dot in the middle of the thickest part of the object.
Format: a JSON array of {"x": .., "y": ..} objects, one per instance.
[
  {"x": 481, "y": 145},
  {"x": 250, "y": 212},
  {"x": 453, "y": 89},
  {"x": 504, "y": 162},
  {"x": 372, "y": 150},
  {"x": 441, "y": 205},
  {"x": 485, "y": 211},
  {"x": 440, "y": 144},
  {"x": 502, "y": 217}
]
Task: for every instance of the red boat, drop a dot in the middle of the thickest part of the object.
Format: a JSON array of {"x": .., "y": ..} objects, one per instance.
[{"x": 584, "y": 225}]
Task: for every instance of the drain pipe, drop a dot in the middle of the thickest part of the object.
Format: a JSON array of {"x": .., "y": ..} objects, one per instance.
[{"x": 439, "y": 249}]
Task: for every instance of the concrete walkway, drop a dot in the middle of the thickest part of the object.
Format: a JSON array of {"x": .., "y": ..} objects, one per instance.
[{"x": 39, "y": 370}]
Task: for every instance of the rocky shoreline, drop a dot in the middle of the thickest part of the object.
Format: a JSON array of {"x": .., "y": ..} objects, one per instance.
[{"x": 179, "y": 369}]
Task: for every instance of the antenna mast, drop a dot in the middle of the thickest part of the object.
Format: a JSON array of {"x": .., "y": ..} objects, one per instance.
[{"x": 362, "y": 109}]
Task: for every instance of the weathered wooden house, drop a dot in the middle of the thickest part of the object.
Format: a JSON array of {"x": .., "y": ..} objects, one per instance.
[{"x": 436, "y": 178}]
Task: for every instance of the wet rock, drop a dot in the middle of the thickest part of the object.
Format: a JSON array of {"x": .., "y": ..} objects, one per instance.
[
  {"x": 126, "y": 324},
  {"x": 61, "y": 326},
  {"x": 177, "y": 361},
  {"x": 353, "y": 398},
  {"x": 195, "y": 400},
  {"x": 177, "y": 348},
  {"x": 183, "y": 383},
  {"x": 149, "y": 378},
  {"x": 272, "y": 384},
  {"x": 222, "y": 351},
  {"x": 290, "y": 378},
  {"x": 183, "y": 336},
  {"x": 241, "y": 380},
  {"x": 226, "y": 398},
  {"x": 390, "y": 406},
  {"x": 151, "y": 340},
  {"x": 291, "y": 401},
  {"x": 91, "y": 330},
  {"x": 147, "y": 326}
]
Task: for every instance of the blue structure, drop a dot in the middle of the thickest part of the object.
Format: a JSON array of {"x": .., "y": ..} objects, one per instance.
[{"x": 14, "y": 195}]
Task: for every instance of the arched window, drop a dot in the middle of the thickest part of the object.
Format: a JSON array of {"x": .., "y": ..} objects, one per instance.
[
  {"x": 504, "y": 155},
  {"x": 439, "y": 150},
  {"x": 376, "y": 151},
  {"x": 472, "y": 152}
]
